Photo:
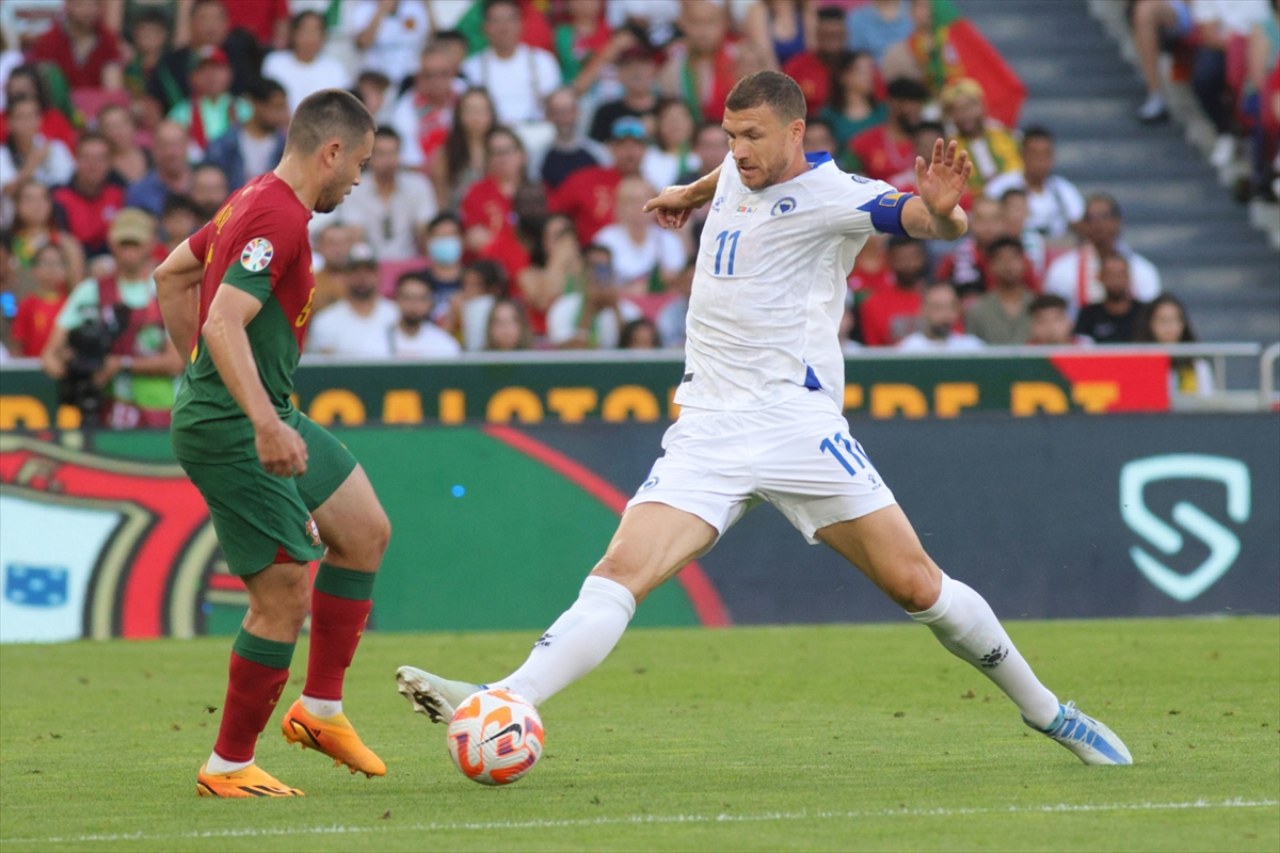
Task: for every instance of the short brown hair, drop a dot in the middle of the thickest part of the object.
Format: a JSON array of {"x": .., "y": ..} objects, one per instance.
[
  {"x": 325, "y": 114},
  {"x": 773, "y": 88}
]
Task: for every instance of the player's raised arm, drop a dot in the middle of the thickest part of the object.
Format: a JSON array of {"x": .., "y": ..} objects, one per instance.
[
  {"x": 935, "y": 214},
  {"x": 280, "y": 449},
  {"x": 674, "y": 204},
  {"x": 177, "y": 291}
]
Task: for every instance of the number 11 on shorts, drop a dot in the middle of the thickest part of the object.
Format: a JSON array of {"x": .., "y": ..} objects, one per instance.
[{"x": 848, "y": 453}]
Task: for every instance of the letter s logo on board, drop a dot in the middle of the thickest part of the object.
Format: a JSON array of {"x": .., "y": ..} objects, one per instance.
[{"x": 1223, "y": 543}]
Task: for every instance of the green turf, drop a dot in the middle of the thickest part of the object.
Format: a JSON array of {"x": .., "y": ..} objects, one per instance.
[{"x": 830, "y": 738}]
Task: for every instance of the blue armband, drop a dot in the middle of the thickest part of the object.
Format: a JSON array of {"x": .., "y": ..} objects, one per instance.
[{"x": 886, "y": 212}]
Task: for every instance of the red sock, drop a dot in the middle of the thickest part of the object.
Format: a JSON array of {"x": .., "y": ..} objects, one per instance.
[
  {"x": 336, "y": 627},
  {"x": 252, "y": 692}
]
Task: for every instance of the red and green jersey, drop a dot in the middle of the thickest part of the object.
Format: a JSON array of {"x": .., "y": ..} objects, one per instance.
[{"x": 257, "y": 243}]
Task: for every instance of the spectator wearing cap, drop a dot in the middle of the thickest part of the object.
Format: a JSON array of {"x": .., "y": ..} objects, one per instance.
[
  {"x": 1054, "y": 205},
  {"x": 570, "y": 150},
  {"x": 211, "y": 110},
  {"x": 83, "y": 49},
  {"x": 1002, "y": 314},
  {"x": 90, "y": 199},
  {"x": 393, "y": 207},
  {"x": 812, "y": 69},
  {"x": 137, "y": 375},
  {"x": 1076, "y": 275},
  {"x": 518, "y": 76},
  {"x": 588, "y": 196},
  {"x": 414, "y": 335},
  {"x": 303, "y": 68},
  {"x": 355, "y": 326},
  {"x": 170, "y": 174},
  {"x": 637, "y": 71},
  {"x": 208, "y": 27},
  {"x": 701, "y": 68},
  {"x": 255, "y": 147},
  {"x": 888, "y": 149},
  {"x": 992, "y": 149}
]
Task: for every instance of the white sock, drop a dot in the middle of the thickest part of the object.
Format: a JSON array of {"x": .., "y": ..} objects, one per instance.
[
  {"x": 322, "y": 708},
  {"x": 218, "y": 764},
  {"x": 576, "y": 643},
  {"x": 964, "y": 623}
]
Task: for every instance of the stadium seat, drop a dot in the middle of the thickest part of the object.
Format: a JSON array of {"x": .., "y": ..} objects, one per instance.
[
  {"x": 389, "y": 271},
  {"x": 88, "y": 102}
]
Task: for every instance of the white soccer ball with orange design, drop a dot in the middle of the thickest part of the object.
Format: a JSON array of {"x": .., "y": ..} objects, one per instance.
[{"x": 495, "y": 737}]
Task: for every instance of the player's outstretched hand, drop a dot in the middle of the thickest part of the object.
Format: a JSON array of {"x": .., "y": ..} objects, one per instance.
[
  {"x": 943, "y": 180},
  {"x": 673, "y": 206},
  {"x": 280, "y": 449}
]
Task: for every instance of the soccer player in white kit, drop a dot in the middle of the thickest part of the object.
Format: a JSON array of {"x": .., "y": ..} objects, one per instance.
[{"x": 761, "y": 413}]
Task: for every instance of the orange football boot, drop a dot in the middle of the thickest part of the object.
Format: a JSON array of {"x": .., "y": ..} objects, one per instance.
[
  {"x": 252, "y": 781},
  {"x": 334, "y": 736}
]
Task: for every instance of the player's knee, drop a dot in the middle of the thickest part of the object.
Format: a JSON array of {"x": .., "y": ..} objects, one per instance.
[
  {"x": 632, "y": 575},
  {"x": 917, "y": 588},
  {"x": 379, "y": 536}
]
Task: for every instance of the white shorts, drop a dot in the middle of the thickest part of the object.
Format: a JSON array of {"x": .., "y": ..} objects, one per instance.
[{"x": 797, "y": 455}]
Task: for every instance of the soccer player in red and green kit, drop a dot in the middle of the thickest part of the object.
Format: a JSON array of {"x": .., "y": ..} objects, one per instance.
[{"x": 281, "y": 490}]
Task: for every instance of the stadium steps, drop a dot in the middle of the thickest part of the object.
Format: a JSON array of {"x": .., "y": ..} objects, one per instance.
[{"x": 1176, "y": 212}]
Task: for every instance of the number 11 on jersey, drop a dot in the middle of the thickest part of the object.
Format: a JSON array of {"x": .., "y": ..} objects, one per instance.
[{"x": 731, "y": 239}]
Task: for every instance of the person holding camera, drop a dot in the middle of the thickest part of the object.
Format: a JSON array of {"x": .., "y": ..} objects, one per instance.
[{"x": 108, "y": 351}]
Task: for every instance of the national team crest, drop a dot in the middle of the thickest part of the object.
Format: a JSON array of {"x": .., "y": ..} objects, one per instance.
[
  {"x": 313, "y": 531},
  {"x": 257, "y": 254},
  {"x": 783, "y": 206}
]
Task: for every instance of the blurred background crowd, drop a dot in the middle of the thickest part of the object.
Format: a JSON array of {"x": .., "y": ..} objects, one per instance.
[{"x": 518, "y": 140}]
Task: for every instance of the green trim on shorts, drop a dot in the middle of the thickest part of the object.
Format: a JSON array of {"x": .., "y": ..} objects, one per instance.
[
  {"x": 345, "y": 583},
  {"x": 272, "y": 653}
]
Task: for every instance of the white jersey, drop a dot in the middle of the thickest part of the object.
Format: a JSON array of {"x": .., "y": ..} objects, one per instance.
[{"x": 770, "y": 283}]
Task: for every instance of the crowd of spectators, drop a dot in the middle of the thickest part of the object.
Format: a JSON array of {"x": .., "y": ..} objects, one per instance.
[{"x": 517, "y": 142}]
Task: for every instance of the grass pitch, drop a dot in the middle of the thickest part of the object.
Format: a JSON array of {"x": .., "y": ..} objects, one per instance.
[{"x": 798, "y": 738}]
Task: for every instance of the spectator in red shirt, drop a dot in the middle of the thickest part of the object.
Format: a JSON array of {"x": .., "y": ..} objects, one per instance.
[
  {"x": 488, "y": 209},
  {"x": 36, "y": 312},
  {"x": 812, "y": 69},
  {"x": 90, "y": 200},
  {"x": 266, "y": 20},
  {"x": 890, "y": 315},
  {"x": 588, "y": 195},
  {"x": 82, "y": 47},
  {"x": 888, "y": 149}
]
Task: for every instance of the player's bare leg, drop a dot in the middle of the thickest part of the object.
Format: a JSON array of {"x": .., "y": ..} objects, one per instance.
[
  {"x": 259, "y": 669},
  {"x": 652, "y": 543},
  {"x": 355, "y": 528},
  {"x": 884, "y": 546}
]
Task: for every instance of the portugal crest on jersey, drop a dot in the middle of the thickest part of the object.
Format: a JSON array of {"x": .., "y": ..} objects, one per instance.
[{"x": 257, "y": 254}]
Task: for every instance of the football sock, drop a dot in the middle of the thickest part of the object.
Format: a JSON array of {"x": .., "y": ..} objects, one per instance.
[
  {"x": 322, "y": 708},
  {"x": 575, "y": 643},
  {"x": 258, "y": 672},
  {"x": 964, "y": 623},
  {"x": 340, "y": 605},
  {"x": 218, "y": 764}
]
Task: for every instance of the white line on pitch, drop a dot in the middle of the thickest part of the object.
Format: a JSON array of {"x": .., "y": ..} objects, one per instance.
[{"x": 640, "y": 820}]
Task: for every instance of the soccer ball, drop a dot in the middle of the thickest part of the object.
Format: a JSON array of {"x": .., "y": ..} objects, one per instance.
[{"x": 495, "y": 737}]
